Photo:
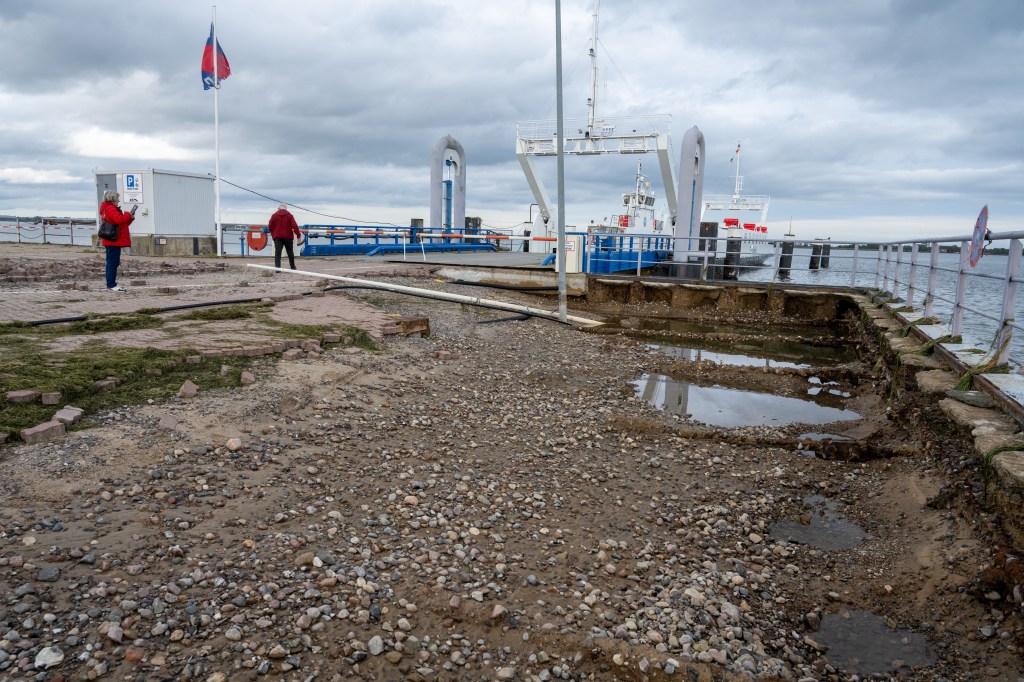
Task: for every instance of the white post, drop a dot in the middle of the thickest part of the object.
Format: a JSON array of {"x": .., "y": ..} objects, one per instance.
[
  {"x": 216, "y": 139},
  {"x": 961, "y": 290},
  {"x": 912, "y": 276},
  {"x": 1006, "y": 315},
  {"x": 933, "y": 276},
  {"x": 853, "y": 266},
  {"x": 562, "y": 302}
]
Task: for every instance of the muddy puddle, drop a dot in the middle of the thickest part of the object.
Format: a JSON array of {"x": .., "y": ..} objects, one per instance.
[
  {"x": 862, "y": 643},
  {"x": 690, "y": 354},
  {"x": 820, "y": 527},
  {"x": 797, "y": 344},
  {"x": 730, "y": 408}
]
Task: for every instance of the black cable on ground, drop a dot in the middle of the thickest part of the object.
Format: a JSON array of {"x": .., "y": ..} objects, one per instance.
[
  {"x": 167, "y": 309},
  {"x": 508, "y": 287},
  {"x": 514, "y": 318},
  {"x": 409, "y": 293}
]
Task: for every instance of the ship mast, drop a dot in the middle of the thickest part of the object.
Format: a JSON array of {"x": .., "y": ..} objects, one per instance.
[
  {"x": 739, "y": 178},
  {"x": 592, "y": 100}
]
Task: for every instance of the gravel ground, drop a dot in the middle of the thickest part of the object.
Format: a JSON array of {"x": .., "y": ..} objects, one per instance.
[{"x": 491, "y": 502}]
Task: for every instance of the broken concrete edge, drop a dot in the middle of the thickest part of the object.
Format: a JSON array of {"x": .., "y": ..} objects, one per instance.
[
  {"x": 1004, "y": 489},
  {"x": 957, "y": 357},
  {"x": 995, "y": 431}
]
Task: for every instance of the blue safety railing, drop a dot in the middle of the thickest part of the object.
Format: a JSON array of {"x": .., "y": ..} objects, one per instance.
[{"x": 338, "y": 240}]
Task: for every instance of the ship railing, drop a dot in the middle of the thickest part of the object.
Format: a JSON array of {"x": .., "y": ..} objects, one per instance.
[
  {"x": 618, "y": 126},
  {"x": 931, "y": 280}
]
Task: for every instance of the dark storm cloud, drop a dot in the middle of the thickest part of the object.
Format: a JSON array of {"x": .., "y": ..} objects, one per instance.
[{"x": 875, "y": 107}]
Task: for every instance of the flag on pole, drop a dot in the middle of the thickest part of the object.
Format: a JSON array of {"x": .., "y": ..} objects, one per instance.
[{"x": 223, "y": 68}]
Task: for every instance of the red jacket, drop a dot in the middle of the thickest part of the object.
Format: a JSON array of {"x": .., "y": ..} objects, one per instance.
[
  {"x": 112, "y": 214},
  {"x": 283, "y": 226}
]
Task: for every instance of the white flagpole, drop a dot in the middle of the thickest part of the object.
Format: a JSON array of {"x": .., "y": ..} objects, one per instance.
[{"x": 216, "y": 137}]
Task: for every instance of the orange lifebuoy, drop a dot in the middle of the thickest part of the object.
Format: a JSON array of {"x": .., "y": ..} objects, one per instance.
[{"x": 256, "y": 238}]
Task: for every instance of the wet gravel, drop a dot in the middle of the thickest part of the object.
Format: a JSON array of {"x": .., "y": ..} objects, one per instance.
[{"x": 491, "y": 502}]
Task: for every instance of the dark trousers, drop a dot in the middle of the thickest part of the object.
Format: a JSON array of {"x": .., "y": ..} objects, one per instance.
[
  {"x": 287, "y": 245},
  {"x": 113, "y": 263}
]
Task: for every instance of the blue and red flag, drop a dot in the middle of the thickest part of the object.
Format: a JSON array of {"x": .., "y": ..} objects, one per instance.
[{"x": 223, "y": 68}]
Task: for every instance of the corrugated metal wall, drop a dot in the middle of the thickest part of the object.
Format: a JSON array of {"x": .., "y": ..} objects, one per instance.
[{"x": 182, "y": 205}]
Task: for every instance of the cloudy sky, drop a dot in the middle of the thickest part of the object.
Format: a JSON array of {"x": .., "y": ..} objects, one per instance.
[{"x": 865, "y": 119}]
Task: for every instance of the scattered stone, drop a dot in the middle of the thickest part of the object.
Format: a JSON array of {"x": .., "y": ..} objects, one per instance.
[
  {"x": 49, "y": 657},
  {"x": 375, "y": 646},
  {"x": 48, "y": 574},
  {"x": 188, "y": 390}
]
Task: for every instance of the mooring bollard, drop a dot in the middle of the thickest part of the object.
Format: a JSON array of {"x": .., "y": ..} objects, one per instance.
[
  {"x": 733, "y": 244},
  {"x": 786, "y": 259},
  {"x": 815, "y": 257}
]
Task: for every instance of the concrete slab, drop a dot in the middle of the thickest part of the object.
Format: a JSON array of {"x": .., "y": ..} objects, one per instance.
[
  {"x": 970, "y": 417},
  {"x": 936, "y": 380}
]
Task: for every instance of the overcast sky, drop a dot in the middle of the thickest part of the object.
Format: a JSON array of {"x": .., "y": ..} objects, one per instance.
[{"x": 862, "y": 119}]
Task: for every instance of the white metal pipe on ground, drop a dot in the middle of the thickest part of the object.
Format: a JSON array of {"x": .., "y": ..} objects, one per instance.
[{"x": 440, "y": 295}]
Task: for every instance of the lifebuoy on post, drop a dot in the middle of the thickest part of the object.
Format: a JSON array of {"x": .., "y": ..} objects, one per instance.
[{"x": 256, "y": 238}]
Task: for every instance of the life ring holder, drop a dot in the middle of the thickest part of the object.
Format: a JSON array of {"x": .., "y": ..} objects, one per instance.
[{"x": 256, "y": 238}]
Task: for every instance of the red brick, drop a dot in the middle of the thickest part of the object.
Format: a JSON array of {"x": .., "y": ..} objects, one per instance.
[
  {"x": 69, "y": 415},
  {"x": 27, "y": 395},
  {"x": 42, "y": 432}
]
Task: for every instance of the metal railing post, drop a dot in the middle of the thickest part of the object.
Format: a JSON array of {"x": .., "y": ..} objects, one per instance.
[
  {"x": 933, "y": 276},
  {"x": 896, "y": 275},
  {"x": 878, "y": 268},
  {"x": 912, "y": 276},
  {"x": 888, "y": 263},
  {"x": 961, "y": 290},
  {"x": 777, "y": 259},
  {"x": 853, "y": 266},
  {"x": 1010, "y": 285},
  {"x": 639, "y": 255}
]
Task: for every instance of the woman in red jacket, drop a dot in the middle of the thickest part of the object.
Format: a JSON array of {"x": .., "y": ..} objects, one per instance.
[{"x": 110, "y": 212}]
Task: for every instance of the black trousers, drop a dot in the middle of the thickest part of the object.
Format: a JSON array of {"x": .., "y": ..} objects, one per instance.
[{"x": 287, "y": 245}]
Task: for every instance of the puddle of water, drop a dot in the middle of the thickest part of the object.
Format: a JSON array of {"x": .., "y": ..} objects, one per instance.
[
  {"x": 826, "y": 530},
  {"x": 734, "y": 359},
  {"x": 717, "y": 406},
  {"x": 861, "y": 643}
]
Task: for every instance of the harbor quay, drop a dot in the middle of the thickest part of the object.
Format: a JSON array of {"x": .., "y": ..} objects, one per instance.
[{"x": 285, "y": 476}]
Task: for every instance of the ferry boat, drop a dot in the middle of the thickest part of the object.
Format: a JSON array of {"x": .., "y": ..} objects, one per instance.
[
  {"x": 740, "y": 216},
  {"x": 638, "y": 213}
]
